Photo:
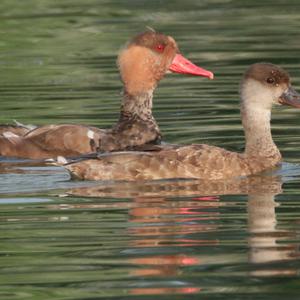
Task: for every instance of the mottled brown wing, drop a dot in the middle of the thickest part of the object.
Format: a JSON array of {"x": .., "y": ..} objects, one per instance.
[
  {"x": 213, "y": 163},
  {"x": 194, "y": 161},
  {"x": 132, "y": 166},
  {"x": 65, "y": 140}
]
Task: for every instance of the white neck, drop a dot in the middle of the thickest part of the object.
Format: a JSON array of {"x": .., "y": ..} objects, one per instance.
[{"x": 256, "y": 117}]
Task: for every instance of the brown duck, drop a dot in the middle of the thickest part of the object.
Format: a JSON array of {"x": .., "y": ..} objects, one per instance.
[
  {"x": 262, "y": 86},
  {"x": 142, "y": 64}
]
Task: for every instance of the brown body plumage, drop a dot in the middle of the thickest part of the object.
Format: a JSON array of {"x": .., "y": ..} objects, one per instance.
[
  {"x": 262, "y": 86},
  {"x": 142, "y": 63}
]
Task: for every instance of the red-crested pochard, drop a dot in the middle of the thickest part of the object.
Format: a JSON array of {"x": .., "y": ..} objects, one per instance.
[{"x": 142, "y": 63}]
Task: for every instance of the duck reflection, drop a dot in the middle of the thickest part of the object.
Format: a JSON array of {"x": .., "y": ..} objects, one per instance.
[
  {"x": 170, "y": 216},
  {"x": 182, "y": 188},
  {"x": 268, "y": 244}
]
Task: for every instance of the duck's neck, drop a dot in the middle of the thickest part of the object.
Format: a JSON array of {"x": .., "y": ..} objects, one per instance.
[
  {"x": 256, "y": 122},
  {"x": 138, "y": 106}
]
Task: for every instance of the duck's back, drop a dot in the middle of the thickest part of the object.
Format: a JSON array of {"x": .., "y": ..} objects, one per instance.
[
  {"x": 194, "y": 161},
  {"x": 65, "y": 139}
]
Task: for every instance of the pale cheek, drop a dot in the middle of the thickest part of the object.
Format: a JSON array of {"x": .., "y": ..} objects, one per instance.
[
  {"x": 257, "y": 95},
  {"x": 276, "y": 95}
]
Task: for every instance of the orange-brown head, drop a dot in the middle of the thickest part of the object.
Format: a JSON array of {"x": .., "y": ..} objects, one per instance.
[{"x": 148, "y": 57}]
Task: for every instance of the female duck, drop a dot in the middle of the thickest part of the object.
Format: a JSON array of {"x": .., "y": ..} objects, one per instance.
[
  {"x": 142, "y": 63},
  {"x": 262, "y": 86}
]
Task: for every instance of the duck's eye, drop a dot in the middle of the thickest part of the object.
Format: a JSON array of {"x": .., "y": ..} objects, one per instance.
[
  {"x": 160, "y": 47},
  {"x": 270, "y": 80}
]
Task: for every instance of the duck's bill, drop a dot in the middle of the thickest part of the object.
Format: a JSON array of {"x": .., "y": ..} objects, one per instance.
[
  {"x": 290, "y": 97},
  {"x": 183, "y": 66}
]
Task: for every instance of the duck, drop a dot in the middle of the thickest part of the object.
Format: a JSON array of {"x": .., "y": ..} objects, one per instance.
[
  {"x": 142, "y": 63},
  {"x": 263, "y": 85}
]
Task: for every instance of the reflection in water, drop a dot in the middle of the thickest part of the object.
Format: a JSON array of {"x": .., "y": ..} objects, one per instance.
[
  {"x": 182, "y": 188},
  {"x": 267, "y": 243},
  {"x": 159, "y": 220}
]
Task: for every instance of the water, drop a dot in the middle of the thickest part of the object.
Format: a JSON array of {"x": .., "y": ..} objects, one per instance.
[{"x": 169, "y": 239}]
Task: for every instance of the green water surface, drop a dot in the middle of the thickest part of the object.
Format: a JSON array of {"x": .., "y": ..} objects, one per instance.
[{"x": 155, "y": 240}]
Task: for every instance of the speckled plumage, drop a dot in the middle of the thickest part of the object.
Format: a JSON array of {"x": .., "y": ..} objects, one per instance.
[
  {"x": 194, "y": 161},
  {"x": 260, "y": 89}
]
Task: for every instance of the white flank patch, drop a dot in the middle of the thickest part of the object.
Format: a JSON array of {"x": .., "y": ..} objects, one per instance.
[
  {"x": 61, "y": 160},
  {"x": 90, "y": 134},
  {"x": 8, "y": 134},
  {"x": 50, "y": 160}
]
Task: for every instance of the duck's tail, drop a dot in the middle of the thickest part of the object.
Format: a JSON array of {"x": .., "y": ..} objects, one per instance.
[{"x": 26, "y": 126}]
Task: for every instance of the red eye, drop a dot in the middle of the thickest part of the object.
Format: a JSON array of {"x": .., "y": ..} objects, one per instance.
[{"x": 160, "y": 47}]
